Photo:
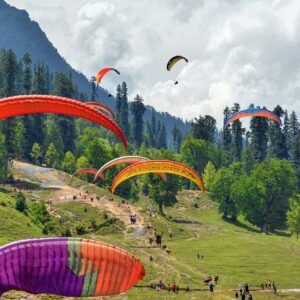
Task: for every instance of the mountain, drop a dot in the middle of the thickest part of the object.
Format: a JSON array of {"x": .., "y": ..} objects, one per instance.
[{"x": 20, "y": 33}]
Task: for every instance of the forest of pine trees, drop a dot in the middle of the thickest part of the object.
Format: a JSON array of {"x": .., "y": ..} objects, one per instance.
[{"x": 251, "y": 171}]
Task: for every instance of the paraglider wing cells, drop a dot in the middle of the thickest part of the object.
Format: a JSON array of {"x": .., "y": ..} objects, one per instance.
[
  {"x": 158, "y": 166},
  {"x": 68, "y": 267}
]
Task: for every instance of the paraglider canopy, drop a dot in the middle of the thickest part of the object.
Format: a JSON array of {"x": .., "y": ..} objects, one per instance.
[
  {"x": 171, "y": 63},
  {"x": 132, "y": 159},
  {"x": 68, "y": 267},
  {"x": 158, "y": 166},
  {"x": 91, "y": 171},
  {"x": 252, "y": 112},
  {"x": 103, "y": 72},
  {"x": 37, "y": 104}
]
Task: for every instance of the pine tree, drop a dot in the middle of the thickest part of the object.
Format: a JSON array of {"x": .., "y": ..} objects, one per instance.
[
  {"x": 118, "y": 104},
  {"x": 296, "y": 156},
  {"x": 28, "y": 119},
  {"x": 53, "y": 136},
  {"x": 124, "y": 109},
  {"x": 137, "y": 109},
  {"x": 277, "y": 141},
  {"x": 94, "y": 94},
  {"x": 226, "y": 136},
  {"x": 292, "y": 131},
  {"x": 259, "y": 138},
  {"x": 10, "y": 69},
  {"x": 247, "y": 156},
  {"x": 162, "y": 137},
  {"x": 34, "y": 132},
  {"x": 237, "y": 136},
  {"x": 51, "y": 156},
  {"x": 204, "y": 128},
  {"x": 36, "y": 153},
  {"x": 285, "y": 132},
  {"x": 27, "y": 73},
  {"x": 63, "y": 86},
  {"x": 150, "y": 135},
  {"x": 209, "y": 175},
  {"x": 177, "y": 138},
  {"x": 69, "y": 162}
]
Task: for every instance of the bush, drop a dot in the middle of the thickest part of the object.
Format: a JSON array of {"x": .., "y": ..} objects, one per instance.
[
  {"x": 21, "y": 202},
  {"x": 66, "y": 233},
  {"x": 105, "y": 216},
  {"x": 80, "y": 229}
]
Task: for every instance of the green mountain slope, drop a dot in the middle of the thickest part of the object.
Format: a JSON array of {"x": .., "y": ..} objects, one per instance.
[
  {"x": 237, "y": 253},
  {"x": 15, "y": 225}
]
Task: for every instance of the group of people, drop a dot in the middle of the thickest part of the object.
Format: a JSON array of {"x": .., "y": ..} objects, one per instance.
[
  {"x": 268, "y": 284},
  {"x": 244, "y": 293},
  {"x": 172, "y": 287}
]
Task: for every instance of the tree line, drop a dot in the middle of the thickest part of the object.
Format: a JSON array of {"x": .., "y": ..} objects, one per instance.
[{"x": 254, "y": 172}]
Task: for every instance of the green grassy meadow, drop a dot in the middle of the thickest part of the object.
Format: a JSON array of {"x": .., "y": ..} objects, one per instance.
[{"x": 237, "y": 253}]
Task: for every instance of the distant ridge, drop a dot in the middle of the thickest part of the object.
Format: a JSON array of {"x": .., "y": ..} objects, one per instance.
[{"x": 20, "y": 33}]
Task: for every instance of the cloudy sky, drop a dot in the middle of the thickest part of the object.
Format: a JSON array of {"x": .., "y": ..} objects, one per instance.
[{"x": 238, "y": 50}]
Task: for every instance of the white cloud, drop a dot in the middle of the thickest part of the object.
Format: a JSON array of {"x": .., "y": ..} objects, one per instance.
[{"x": 239, "y": 50}]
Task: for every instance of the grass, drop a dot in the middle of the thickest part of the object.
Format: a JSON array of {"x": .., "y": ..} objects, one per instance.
[
  {"x": 236, "y": 252},
  {"x": 14, "y": 225}
]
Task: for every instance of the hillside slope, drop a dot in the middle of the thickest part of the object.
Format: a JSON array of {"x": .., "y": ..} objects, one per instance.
[{"x": 237, "y": 253}]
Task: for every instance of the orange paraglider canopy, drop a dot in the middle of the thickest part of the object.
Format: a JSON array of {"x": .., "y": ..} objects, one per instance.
[
  {"x": 91, "y": 171},
  {"x": 38, "y": 104},
  {"x": 158, "y": 166},
  {"x": 103, "y": 72}
]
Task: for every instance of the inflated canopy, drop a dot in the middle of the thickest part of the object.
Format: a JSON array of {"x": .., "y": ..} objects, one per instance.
[
  {"x": 158, "y": 166},
  {"x": 252, "y": 112},
  {"x": 68, "y": 267},
  {"x": 91, "y": 171},
  {"x": 103, "y": 72},
  {"x": 102, "y": 108},
  {"x": 132, "y": 159},
  {"x": 38, "y": 104},
  {"x": 174, "y": 60}
]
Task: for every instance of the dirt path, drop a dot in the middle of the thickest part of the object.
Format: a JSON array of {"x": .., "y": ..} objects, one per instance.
[{"x": 59, "y": 182}]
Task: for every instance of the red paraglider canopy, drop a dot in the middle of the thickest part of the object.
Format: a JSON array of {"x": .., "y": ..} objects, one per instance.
[
  {"x": 39, "y": 104},
  {"x": 103, "y": 72}
]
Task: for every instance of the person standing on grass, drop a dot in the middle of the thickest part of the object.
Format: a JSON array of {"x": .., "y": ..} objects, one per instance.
[
  {"x": 174, "y": 287},
  {"x": 243, "y": 296},
  {"x": 250, "y": 297},
  {"x": 211, "y": 288},
  {"x": 236, "y": 295},
  {"x": 246, "y": 288}
]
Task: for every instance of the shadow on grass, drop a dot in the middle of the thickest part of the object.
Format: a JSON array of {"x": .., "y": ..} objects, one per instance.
[
  {"x": 23, "y": 184},
  {"x": 280, "y": 233},
  {"x": 256, "y": 230},
  {"x": 185, "y": 221},
  {"x": 242, "y": 225}
]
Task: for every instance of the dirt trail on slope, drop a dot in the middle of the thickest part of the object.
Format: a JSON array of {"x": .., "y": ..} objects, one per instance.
[{"x": 55, "y": 180}]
